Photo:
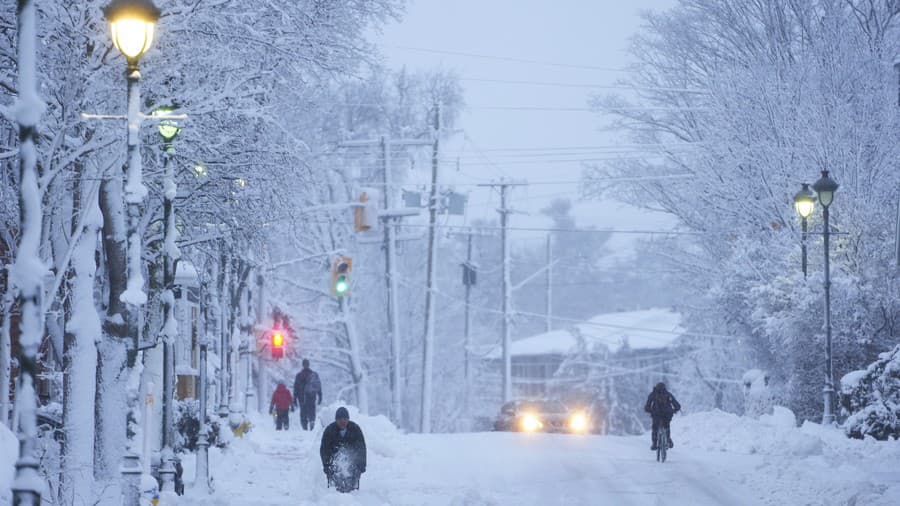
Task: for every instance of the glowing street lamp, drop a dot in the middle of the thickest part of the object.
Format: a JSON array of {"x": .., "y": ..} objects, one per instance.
[
  {"x": 804, "y": 203},
  {"x": 168, "y": 127},
  {"x": 131, "y": 25}
]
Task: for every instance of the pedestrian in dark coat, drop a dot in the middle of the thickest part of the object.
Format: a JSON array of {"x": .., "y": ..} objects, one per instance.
[
  {"x": 662, "y": 406},
  {"x": 307, "y": 388},
  {"x": 280, "y": 405},
  {"x": 343, "y": 452}
]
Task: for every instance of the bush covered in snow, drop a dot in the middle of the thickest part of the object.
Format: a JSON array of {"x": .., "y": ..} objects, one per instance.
[
  {"x": 871, "y": 398},
  {"x": 187, "y": 426}
]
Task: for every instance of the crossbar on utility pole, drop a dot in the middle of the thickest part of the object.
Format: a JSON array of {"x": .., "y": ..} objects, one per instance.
[{"x": 504, "y": 211}]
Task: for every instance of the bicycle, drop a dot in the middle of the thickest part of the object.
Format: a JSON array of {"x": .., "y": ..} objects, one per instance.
[{"x": 662, "y": 444}]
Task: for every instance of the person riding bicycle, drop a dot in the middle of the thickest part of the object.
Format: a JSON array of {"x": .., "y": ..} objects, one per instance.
[{"x": 662, "y": 406}]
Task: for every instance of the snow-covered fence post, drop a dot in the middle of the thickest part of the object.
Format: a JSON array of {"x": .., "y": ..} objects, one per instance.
[{"x": 27, "y": 271}]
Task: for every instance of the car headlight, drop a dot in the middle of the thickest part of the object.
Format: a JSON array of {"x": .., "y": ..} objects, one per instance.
[
  {"x": 578, "y": 422},
  {"x": 531, "y": 423}
]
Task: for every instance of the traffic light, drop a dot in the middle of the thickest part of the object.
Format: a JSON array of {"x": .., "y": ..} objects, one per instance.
[
  {"x": 340, "y": 276},
  {"x": 276, "y": 344},
  {"x": 365, "y": 213}
]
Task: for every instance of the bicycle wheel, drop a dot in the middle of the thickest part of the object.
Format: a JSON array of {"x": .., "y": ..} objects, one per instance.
[{"x": 662, "y": 444}]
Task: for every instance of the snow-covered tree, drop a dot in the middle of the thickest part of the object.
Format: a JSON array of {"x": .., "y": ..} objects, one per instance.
[
  {"x": 740, "y": 102},
  {"x": 871, "y": 398}
]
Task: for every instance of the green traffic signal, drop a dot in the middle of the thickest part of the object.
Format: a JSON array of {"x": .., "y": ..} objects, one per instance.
[{"x": 341, "y": 285}]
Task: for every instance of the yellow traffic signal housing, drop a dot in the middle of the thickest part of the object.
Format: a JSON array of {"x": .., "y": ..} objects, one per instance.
[{"x": 340, "y": 276}]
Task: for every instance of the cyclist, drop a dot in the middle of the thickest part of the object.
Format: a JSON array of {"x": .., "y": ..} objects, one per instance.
[{"x": 661, "y": 405}]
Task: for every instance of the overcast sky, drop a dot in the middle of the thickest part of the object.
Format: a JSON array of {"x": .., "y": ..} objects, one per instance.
[{"x": 580, "y": 42}]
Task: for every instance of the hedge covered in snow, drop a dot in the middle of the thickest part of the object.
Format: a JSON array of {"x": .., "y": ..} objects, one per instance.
[{"x": 871, "y": 399}]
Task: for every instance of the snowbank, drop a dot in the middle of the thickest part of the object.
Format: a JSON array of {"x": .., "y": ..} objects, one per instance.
[
  {"x": 719, "y": 458},
  {"x": 813, "y": 463},
  {"x": 9, "y": 452}
]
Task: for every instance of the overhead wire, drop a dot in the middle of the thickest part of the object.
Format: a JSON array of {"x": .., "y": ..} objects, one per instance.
[{"x": 513, "y": 59}]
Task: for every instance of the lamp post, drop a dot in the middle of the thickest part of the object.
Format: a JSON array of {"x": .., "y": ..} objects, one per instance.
[
  {"x": 826, "y": 187},
  {"x": 168, "y": 130},
  {"x": 132, "y": 24},
  {"x": 202, "y": 478},
  {"x": 804, "y": 202}
]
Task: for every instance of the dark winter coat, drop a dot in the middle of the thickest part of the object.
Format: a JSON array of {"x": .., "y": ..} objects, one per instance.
[
  {"x": 348, "y": 450},
  {"x": 281, "y": 398},
  {"x": 661, "y": 404},
  {"x": 307, "y": 384}
]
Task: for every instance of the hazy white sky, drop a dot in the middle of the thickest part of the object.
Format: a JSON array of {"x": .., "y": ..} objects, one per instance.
[{"x": 582, "y": 43}]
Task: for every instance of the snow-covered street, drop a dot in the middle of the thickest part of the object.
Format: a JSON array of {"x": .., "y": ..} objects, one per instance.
[{"x": 767, "y": 463}]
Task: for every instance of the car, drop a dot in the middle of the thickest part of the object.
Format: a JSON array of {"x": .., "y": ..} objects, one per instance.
[{"x": 541, "y": 416}]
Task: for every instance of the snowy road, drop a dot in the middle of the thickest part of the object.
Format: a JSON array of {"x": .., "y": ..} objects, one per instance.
[{"x": 276, "y": 468}]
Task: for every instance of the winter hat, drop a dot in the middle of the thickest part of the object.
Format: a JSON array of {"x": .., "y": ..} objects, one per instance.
[
  {"x": 305, "y": 362},
  {"x": 342, "y": 414}
]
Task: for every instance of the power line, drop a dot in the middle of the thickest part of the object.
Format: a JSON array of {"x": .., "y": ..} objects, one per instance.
[
  {"x": 567, "y": 230},
  {"x": 585, "y": 86},
  {"x": 513, "y": 59},
  {"x": 592, "y": 110},
  {"x": 593, "y": 147}
]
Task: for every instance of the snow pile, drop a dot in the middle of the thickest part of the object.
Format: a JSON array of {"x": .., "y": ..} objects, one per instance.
[
  {"x": 774, "y": 434},
  {"x": 9, "y": 452},
  {"x": 814, "y": 464}
]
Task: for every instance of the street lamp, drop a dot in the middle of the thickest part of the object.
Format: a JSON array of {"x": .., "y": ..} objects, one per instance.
[
  {"x": 168, "y": 129},
  {"x": 202, "y": 474},
  {"x": 804, "y": 202},
  {"x": 826, "y": 187},
  {"x": 132, "y": 24}
]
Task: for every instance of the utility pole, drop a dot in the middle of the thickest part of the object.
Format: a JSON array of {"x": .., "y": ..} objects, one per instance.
[
  {"x": 549, "y": 325},
  {"x": 391, "y": 217},
  {"x": 428, "y": 348},
  {"x": 469, "y": 281},
  {"x": 504, "y": 211}
]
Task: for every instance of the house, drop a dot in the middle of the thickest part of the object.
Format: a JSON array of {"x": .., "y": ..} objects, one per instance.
[
  {"x": 628, "y": 336},
  {"x": 606, "y": 360}
]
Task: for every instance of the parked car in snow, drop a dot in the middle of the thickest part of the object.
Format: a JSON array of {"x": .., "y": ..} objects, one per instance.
[{"x": 541, "y": 416}]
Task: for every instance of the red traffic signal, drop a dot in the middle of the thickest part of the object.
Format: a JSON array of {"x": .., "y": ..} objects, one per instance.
[{"x": 277, "y": 344}]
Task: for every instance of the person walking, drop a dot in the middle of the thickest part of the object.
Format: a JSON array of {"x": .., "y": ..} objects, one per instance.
[
  {"x": 307, "y": 388},
  {"x": 282, "y": 402},
  {"x": 343, "y": 452},
  {"x": 662, "y": 406}
]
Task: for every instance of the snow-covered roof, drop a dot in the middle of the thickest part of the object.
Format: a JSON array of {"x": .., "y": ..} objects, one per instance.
[{"x": 644, "y": 329}]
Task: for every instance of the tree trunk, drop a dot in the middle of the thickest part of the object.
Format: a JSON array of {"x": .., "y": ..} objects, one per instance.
[
  {"x": 82, "y": 331},
  {"x": 111, "y": 405}
]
